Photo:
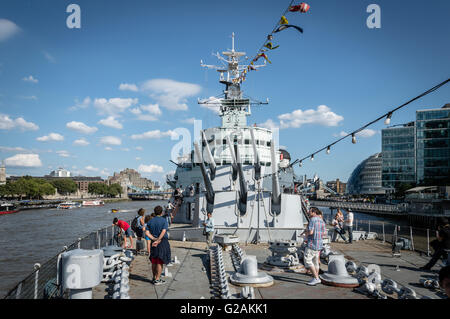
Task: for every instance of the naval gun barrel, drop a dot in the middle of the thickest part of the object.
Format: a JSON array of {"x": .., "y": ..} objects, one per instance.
[
  {"x": 255, "y": 156},
  {"x": 275, "y": 181},
  {"x": 233, "y": 159},
  {"x": 209, "y": 189},
  {"x": 212, "y": 164},
  {"x": 242, "y": 205}
]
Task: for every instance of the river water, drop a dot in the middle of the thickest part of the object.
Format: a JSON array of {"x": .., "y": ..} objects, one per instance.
[{"x": 35, "y": 236}]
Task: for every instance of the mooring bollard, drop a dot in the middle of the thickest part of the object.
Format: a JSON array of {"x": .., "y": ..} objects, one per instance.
[
  {"x": 81, "y": 271},
  {"x": 36, "y": 279}
]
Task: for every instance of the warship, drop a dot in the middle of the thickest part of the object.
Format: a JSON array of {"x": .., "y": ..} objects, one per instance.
[{"x": 237, "y": 172}]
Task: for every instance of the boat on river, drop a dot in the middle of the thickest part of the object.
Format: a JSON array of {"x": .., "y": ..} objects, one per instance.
[
  {"x": 68, "y": 205},
  {"x": 96, "y": 202},
  {"x": 8, "y": 208}
]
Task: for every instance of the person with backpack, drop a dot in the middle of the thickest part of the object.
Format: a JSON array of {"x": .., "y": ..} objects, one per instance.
[
  {"x": 137, "y": 225},
  {"x": 125, "y": 227}
]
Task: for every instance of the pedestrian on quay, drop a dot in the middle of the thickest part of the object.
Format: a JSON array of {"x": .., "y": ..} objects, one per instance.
[
  {"x": 126, "y": 229},
  {"x": 440, "y": 244},
  {"x": 160, "y": 253},
  {"x": 338, "y": 223},
  {"x": 209, "y": 230},
  {"x": 315, "y": 233},
  {"x": 348, "y": 226}
]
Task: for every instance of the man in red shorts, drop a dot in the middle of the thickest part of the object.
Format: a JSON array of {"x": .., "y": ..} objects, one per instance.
[
  {"x": 125, "y": 227},
  {"x": 160, "y": 253}
]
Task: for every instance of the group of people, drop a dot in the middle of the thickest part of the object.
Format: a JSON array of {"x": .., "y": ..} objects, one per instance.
[
  {"x": 341, "y": 225},
  {"x": 154, "y": 229}
]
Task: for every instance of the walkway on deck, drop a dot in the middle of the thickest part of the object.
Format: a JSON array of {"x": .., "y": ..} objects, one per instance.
[{"x": 190, "y": 278}]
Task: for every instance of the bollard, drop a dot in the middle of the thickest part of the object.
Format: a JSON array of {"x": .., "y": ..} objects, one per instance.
[
  {"x": 36, "y": 280},
  {"x": 411, "y": 236},
  {"x": 81, "y": 271},
  {"x": 428, "y": 242}
]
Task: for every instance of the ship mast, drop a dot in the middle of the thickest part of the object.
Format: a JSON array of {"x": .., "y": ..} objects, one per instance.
[{"x": 233, "y": 107}]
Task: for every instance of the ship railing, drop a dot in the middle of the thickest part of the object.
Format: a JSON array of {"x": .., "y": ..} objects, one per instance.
[{"x": 44, "y": 282}]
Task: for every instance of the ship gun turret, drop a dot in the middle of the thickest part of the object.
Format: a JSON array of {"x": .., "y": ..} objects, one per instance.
[
  {"x": 212, "y": 164},
  {"x": 233, "y": 160},
  {"x": 276, "y": 194},
  {"x": 242, "y": 204},
  {"x": 209, "y": 189},
  {"x": 256, "y": 156}
]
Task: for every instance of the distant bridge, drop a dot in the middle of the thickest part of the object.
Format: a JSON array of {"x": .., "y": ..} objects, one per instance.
[
  {"x": 398, "y": 210},
  {"x": 145, "y": 194}
]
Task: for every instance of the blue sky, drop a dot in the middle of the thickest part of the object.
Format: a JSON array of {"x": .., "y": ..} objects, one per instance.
[{"x": 84, "y": 98}]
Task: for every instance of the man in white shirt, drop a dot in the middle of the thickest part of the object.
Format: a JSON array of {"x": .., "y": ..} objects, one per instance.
[{"x": 348, "y": 226}]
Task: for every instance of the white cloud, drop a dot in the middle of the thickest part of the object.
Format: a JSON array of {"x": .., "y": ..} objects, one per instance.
[
  {"x": 7, "y": 29},
  {"x": 81, "y": 142},
  {"x": 30, "y": 78},
  {"x": 63, "y": 153},
  {"x": 367, "y": 133},
  {"x": 91, "y": 168},
  {"x": 49, "y": 57},
  {"x": 364, "y": 133},
  {"x": 24, "y": 160},
  {"x": 269, "y": 124},
  {"x": 110, "y": 121},
  {"x": 125, "y": 149},
  {"x": 128, "y": 87},
  {"x": 31, "y": 97},
  {"x": 139, "y": 148},
  {"x": 113, "y": 106},
  {"x": 171, "y": 94},
  {"x": 136, "y": 111},
  {"x": 156, "y": 134},
  {"x": 107, "y": 148},
  {"x": 50, "y": 137},
  {"x": 322, "y": 116},
  {"x": 150, "y": 168},
  {"x": 110, "y": 140},
  {"x": 7, "y": 123},
  {"x": 104, "y": 172},
  {"x": 13, "y": 149},
  {"x": 152, "y": 108},
  {"x": 81, "y": 127},
  {"x": 81, "y": 105},
  {"x": 212, "y": 103},
  {"x": 147, "y": 117},
  {"x": 138, "y": 158}
]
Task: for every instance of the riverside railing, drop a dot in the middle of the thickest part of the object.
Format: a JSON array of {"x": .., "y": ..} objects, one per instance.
[
  {"x": 44, "y": 281},
  {"x": 418, "y": 239}
]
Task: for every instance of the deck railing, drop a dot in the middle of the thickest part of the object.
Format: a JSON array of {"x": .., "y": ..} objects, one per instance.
[{"x": 43, "y": 282}]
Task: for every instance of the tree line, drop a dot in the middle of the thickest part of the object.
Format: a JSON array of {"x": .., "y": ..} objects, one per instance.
[{"x": 36, "y": 188}]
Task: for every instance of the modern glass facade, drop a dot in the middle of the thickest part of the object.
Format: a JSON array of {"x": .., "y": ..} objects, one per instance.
[
  {"x": 366, "y": 178},
  {"x": 433, "y": 145},
  {"x": 399, "y": 155}
]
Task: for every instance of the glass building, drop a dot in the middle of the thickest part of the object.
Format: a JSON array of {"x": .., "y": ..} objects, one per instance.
[
  {"x": 399, "y": 155},
  {"x": 433, "y": 146},
  {"x": 366, "y": 178}
]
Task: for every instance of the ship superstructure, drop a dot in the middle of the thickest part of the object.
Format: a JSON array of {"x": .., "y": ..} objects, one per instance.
[{"x": 236, "y": 171}]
